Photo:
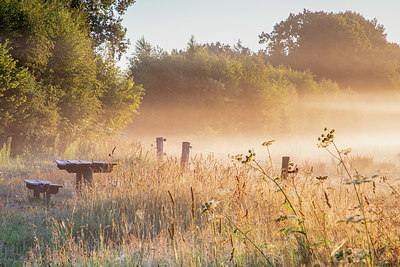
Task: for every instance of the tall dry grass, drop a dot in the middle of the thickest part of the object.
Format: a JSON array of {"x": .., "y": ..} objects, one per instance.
[{"x": 151, "y": 213}]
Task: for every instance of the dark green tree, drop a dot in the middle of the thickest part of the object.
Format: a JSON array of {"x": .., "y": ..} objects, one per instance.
[
  {"x": 120, "y": 97},
  {"x": 105, "y": 20},
  {"x": 51, "y": 44},
  {"x": 28, "y": 110},
  {"x": 344, "y": 47},
  {"x": 55, "y": 49}
]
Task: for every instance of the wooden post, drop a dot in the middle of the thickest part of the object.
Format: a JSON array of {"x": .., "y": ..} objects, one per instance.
[
  {"x": 88, "y": 177},
  {"x": 36, "y": 194},
  {"x": 185, "y": 153},
  {"x": 160, "y": 149},
  {"x": 285, "y": 167},
  {"x": 79, "y": 177}
]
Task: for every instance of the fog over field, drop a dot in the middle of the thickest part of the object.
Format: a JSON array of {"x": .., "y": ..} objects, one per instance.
[
  {"x": 83, "y": 183},
  {"x": 368, "y": 124}
]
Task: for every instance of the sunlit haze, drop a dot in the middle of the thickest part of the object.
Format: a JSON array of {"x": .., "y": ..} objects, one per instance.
[
  {"x": 367, "y": 125},
  {"x": 223, "y": 133},
  {"x": 170, "y": 24}
]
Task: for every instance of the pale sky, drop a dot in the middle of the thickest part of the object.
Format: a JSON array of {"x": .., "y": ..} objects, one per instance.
[{"x": 169, "y": 24}]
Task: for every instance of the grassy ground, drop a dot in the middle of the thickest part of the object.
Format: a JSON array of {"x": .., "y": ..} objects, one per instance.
[{"x": 149, "y": 213}]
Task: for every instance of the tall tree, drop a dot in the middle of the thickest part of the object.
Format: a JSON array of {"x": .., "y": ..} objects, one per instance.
[
  {"x": 28, "y": 109},
  {"x": 50, "y": 44},
  {"x": 345, "y": 47},
  {"x": 105, "y": 20}
]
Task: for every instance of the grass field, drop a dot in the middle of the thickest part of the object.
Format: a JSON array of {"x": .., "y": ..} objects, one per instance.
[{"x": 149, "y": 213}]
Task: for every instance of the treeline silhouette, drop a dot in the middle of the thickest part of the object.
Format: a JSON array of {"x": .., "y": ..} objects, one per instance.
[
  {"x": 344, "y": 47},
  {"x": 59, "y": 79},
  {"x": 216, "y": 88}
]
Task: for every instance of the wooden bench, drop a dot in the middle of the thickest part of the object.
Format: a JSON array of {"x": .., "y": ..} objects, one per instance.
[
  {"x": 42, "y": 186},
  {"x": 84, "y": 170}
]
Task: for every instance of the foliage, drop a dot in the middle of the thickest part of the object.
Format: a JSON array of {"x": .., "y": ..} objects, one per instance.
[
  {"x": 54, "y": 81},
  {"x": 120, "y": 98},
  {"x": 326, "y": 140},
  {"x": 298, "y": 229},
  {"x": 213, "y": 83},
  {"x": 105, "y": 26},
  {"x": 344, "y": 47},
  {"x": 27, "y": 109}
]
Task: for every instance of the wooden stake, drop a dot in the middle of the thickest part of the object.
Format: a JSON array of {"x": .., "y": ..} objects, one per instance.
[
  {"x": 160, "y": 147},
  {"x": 285, "y": 167},
  {"x": 185, "y": 153}
]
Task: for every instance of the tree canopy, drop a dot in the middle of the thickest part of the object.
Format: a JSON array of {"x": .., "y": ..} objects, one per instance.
[
  {"x": 59, "y": 79},
  {"x": 105, "y": 20},
  {"x": 26, "y": 107},
  {"x": 50, "y": 66},
  {"x": 343, "y": 46},
  {"x": 218, "y": 88}
]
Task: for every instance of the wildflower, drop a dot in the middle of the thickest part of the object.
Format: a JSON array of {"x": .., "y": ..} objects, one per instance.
[{"x": 209, "y": 206}]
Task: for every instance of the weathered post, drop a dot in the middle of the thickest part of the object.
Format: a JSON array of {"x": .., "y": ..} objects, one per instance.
[
  {"x": 79, "y": 177},
  {"x": 36, "y": 193},
  {"x": 88, "y": 176},
  {"x": 185, "y": 153},
  {"x": 84, "y": 176},
  {"x": 160, "y": 147},
  {"x": 285, "y": 167}
]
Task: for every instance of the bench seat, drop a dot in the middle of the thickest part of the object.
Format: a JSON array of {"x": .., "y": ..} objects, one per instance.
[{"x": 42, "y": 186}]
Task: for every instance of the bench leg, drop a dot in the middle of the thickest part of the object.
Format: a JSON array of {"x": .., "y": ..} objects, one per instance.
[
  {"x": 35, "y": 194},
  {"x": 79, "y": 176},
  {"x": 84, "y": 177},
  {"x": 47, "y": 197},
  {"x": 88, "y": 176}
]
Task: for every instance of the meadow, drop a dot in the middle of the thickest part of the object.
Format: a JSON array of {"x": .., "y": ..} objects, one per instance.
[
  {"x": 61, "y": 84},
  {"x": 343, "y": 210}
]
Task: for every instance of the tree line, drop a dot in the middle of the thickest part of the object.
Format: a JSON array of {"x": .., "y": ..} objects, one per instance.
[
  {"x": 59, "y": 79},
  {"x": 217, "y": 88},
  {"x": 344, "y": 47}
]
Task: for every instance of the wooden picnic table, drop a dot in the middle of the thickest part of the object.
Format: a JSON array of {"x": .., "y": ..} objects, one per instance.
[{"x": 84, "y": 169}]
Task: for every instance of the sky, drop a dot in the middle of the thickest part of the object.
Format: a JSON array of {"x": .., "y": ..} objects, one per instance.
[{"x": 169, "y": 24}]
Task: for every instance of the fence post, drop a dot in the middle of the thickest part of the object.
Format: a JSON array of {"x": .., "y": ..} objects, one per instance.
[
  {"x": 285, "y": 167},
  {"x": 160, "y": 147},
  {"x": 185, "y": 153}
]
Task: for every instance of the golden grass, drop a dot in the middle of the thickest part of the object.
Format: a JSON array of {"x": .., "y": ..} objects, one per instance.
[{"x": 211, "y": 213}]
